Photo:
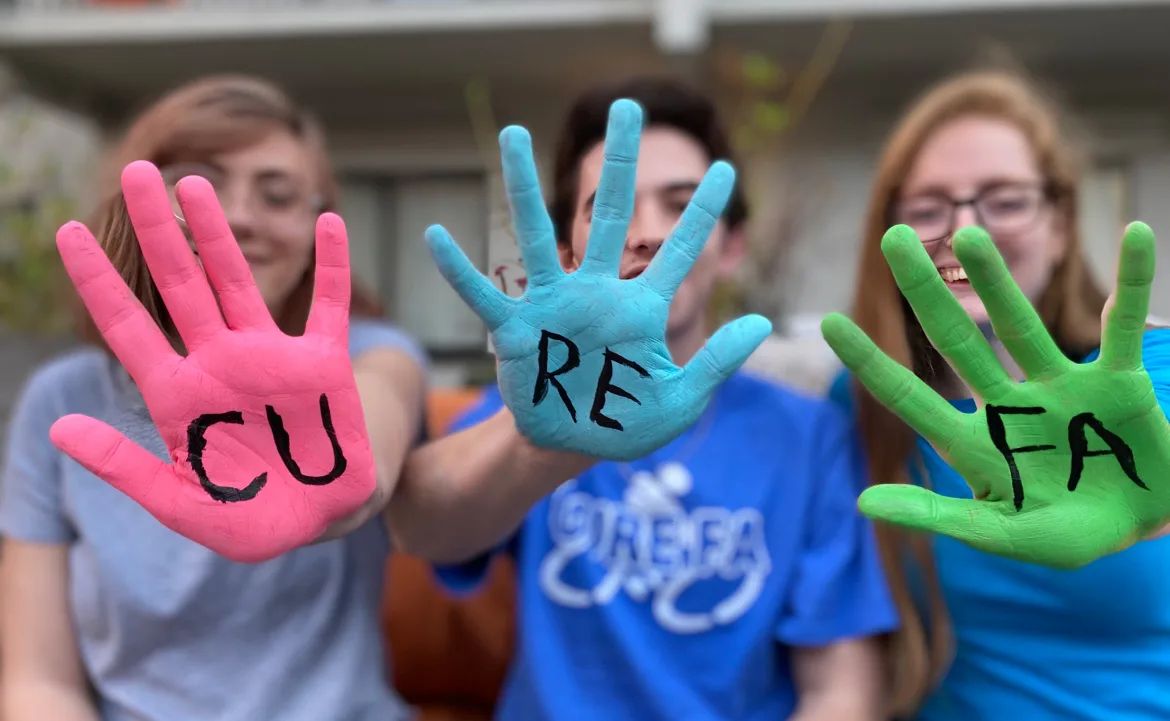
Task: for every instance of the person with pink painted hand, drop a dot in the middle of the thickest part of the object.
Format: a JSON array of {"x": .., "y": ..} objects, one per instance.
[
  {"x": 237, "y": 376},
  {"x": 193, "y": 406}
]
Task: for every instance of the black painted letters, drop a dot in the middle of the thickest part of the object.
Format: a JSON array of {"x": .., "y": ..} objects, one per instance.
[
  {"x": 999, "y": 437},
  {"x": 605, "y": 385},
  {"x": 543, "y": 378},
  {"x": 197, "y": 443},
  {"x": 604, "y": 381},
  {"x": 281, "y": 438},
  {"x": 1078, "y": 446}
]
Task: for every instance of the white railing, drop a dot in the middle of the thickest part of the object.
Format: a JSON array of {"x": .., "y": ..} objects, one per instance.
[
  {"x": 218, "y": 5},
  {"x": 32, "y": 22}
]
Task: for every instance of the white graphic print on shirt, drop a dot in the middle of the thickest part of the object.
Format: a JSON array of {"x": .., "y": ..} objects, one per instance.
[{"x": 654, "y": 550}]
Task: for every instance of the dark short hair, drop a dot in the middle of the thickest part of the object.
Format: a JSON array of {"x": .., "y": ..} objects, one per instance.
[{"x": 665, "y": 102}]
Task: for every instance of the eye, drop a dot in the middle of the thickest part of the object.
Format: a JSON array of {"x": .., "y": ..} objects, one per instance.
[
  {"x": 924, "y": 210},
  {"x": 1008, "y": 201},
  {"x": 279, "y": 200}
]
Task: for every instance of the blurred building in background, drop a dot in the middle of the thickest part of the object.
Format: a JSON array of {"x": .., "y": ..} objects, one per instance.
[{"x": 390, "y": 80}]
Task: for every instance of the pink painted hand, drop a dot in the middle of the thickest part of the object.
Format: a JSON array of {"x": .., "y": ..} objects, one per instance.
[{"x": 265, "y": 431}]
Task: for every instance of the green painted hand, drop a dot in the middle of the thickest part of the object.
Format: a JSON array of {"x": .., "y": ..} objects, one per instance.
[{"x": 1070, "y": 465}]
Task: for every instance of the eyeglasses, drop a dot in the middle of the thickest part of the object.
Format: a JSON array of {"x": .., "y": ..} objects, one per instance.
[
  {"x": 277, "y": 198},
  {"x": 1007, "y": 208}
]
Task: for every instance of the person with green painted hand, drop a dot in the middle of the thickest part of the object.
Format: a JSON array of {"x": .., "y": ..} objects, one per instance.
[
  {"x": 995, "y": 625},
  {"x": 1067, "y": 466}
]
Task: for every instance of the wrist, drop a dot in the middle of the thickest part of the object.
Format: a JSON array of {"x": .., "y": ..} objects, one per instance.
[{"x": 553, "y": 464}]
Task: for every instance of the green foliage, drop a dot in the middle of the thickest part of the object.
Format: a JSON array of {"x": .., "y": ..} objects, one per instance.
[{"x": 35, "y": 293}]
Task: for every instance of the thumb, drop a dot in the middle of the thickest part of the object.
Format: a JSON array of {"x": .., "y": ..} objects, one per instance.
[
  {"x": 725, "y": 352},
  {"x": 116, "y": 459},
  {"x": 976, "y": 523}
]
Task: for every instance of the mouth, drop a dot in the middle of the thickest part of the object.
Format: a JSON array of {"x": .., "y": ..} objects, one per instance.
[
  {"x": 954, "y": 276},
  {"x": 633, "y": 272}
]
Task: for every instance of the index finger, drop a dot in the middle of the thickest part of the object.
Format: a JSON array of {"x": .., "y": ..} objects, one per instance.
[
  {"x": 129, "y": 331},
  {"x": 894, "y": 385},
  {"x": 672, "y": 263},
  {"x": 177, "y": 275}
]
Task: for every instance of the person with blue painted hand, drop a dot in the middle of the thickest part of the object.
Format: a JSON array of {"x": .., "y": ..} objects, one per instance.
[
  {"x": 724, "y": 575},
  {"x": 583, "y": 360}
]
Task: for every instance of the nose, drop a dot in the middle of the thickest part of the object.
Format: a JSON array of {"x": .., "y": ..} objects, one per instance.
[
  {"x": 240, "y": 214},
  {"x": 648, "y": 230},
  {"x": 965, "y": 216}
]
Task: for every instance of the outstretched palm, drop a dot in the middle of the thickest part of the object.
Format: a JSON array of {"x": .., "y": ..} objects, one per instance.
[
  {"x": 1068, "y": 466},
  {"x": 583, "y": 362},
  {"x": 265, "y": 430}
]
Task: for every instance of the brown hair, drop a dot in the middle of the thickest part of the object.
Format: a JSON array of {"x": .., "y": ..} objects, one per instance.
[
  {"x": 1070, "y": 306},
  {"x": 665, "y": 102},
  {"x": 206, "y": 117}
]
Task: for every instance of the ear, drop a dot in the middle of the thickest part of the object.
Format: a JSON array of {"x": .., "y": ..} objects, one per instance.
[{"x": 734, "y": 251}]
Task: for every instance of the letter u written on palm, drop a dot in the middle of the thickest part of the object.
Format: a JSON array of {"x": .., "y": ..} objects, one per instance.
[
  {"x": 1067, "y": 466},
  {"x": 589, "y": 324}
]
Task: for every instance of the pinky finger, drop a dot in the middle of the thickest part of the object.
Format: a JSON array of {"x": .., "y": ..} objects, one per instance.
[
  {"x": 492, "y": 306},
  {"x": 332, "y": 284}
]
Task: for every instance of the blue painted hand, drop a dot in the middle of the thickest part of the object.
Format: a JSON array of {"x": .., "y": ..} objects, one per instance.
[{"x": 583, "y": 362}]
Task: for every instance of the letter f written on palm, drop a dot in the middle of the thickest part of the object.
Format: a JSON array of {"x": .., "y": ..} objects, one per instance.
[
  {"x": 1065, "y": 467},
  {"x": 265, "y": 431},
  {"x": 577, "y": 327}
]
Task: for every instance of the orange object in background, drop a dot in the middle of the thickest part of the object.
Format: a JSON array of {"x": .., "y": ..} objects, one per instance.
[{"x": 449, "y": 657}]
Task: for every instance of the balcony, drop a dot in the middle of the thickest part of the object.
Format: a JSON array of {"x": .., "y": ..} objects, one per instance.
[
  {"x": 106, "y": 56},
  {"x": 113, "y": 21}
]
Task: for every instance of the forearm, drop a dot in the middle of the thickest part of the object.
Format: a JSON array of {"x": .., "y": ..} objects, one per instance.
[
  {"x": 839, "y": 706},
  {"x": 839, "y": 682},
  {"x": 462, "y": 494},
  {"x": 36, "y": 701}
]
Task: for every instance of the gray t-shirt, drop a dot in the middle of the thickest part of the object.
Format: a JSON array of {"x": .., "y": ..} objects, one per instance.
[{"x": 168, "y": 630}]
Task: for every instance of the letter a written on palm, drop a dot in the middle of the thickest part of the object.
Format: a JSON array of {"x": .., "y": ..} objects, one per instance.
[{"x": 265, "y": 431}]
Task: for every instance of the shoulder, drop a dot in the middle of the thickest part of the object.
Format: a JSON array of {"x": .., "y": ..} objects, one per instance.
[
  {"x": 1156, "y": 351},
  {"x": 487, "y": 403},
  {"x": 369, "y": 334},
  {"x": 76, "y": 374},
  {"x": 779, "y": 407}
]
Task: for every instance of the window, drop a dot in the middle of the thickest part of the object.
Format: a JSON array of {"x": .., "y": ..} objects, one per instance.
[
  {"x": 387, "y": 218},
  {"x": 1104, "y": 214}
]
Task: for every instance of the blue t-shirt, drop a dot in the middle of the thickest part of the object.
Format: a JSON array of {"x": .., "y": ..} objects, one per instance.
[
  {"x": 169, "y": 630},
  {"x": 1045, "y": 645},
  {"x": 671, "y": 588}
]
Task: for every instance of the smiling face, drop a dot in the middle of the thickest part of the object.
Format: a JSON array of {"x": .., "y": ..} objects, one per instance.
[
  {"x": 670, "y": 166},
  {"x": 982, "y": 171},
  {"x": 269, "y": 196}
]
